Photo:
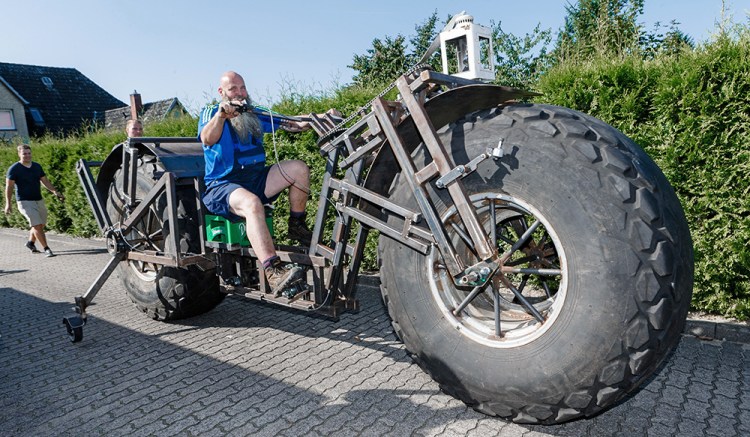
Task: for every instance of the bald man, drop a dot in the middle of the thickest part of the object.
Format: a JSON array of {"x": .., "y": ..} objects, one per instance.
[{"x": 238, "y": 181}]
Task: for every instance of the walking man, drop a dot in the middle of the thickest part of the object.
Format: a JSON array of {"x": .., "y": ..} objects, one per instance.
[{"x": 25, "y": 176}]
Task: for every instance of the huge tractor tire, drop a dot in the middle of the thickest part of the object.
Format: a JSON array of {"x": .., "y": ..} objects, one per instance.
[
  {"x": 593, "y": 296},
  {"x": 163, "y": 293}
]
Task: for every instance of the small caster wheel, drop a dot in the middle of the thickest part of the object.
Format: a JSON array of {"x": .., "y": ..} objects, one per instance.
[{"x": 74, "y": 326}]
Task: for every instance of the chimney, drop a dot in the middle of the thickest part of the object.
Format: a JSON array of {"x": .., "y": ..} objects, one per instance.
[{"x": 136, "y": 105}]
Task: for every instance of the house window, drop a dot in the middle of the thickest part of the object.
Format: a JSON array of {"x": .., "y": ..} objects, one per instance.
[
  {"x": 37, "y": 117},
  {"x": 7, "y": 122}
]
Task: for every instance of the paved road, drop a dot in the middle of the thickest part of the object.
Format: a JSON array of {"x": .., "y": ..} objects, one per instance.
[{"x": 251, "y": 369}]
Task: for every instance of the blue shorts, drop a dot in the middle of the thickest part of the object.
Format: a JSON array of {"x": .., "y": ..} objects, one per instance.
[{"x": 217, "y": 193}]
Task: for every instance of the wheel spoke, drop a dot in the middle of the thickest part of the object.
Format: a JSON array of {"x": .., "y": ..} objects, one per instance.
[
  {"x": 523, "y": 283},
  {"x": 493, "y": 221},
  {"x": 525, "y": 303},
  {"x": 138, "y": 231},
  {"x": 532, "y": 271},
  {"x": 546, "y": 289},
  {"x": 474, "y": 293},
  {"x": 149, "y": 222},
  {"x": 506, "y": 239},
  {"x": 156, "y": 235},
  {"x": 464, "y": 236},
  {"x": 549, "y": 263},
  {"x": 523, "y": 260},
  {"x": 496, "y": 301},
  {"x": 136, "y": 243},
  {"x": 521, "y": 241}
]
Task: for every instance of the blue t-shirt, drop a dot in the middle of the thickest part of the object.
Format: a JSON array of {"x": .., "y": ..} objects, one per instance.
[
  {"x": 229, "y": 153},
  {"x": 28, "y": 186}
]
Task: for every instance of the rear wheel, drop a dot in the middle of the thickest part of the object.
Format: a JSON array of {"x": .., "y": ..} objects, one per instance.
[
  {"x": 597, "y": 283},
  {"x": 163, "y": 293}
]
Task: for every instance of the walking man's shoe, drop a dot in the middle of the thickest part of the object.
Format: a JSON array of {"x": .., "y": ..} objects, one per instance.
[
  {"x": 32, "y": 247},
  {"x": 48, "y": 253}
]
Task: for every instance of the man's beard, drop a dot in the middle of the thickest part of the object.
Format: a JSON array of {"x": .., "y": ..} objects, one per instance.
[{"x": 247, "y": 126}]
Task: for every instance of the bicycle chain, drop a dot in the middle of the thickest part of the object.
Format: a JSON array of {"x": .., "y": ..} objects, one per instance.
[{"x": 358, "y": 113}]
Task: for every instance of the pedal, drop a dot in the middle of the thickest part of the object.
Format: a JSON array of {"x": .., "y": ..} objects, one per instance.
[{"x": 295, "y": 290}]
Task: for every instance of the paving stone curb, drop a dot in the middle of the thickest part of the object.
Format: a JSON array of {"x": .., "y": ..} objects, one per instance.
[{"x": 707, "y": 330}]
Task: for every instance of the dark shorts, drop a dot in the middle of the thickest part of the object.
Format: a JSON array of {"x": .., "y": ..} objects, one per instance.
[{"x": 217, "y": 193}]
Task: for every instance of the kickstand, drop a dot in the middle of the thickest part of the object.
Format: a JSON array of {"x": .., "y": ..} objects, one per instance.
[{"x": 74, "y": 324}]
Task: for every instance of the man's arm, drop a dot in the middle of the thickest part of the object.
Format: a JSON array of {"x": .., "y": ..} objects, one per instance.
[
  {"x": 9, "y": 185},
  {"x": 295, "y": 126},
  {"x": 48, "y": 185},
  {"x": 304, "y": 124},
  {"x": 211, "y": 132}
]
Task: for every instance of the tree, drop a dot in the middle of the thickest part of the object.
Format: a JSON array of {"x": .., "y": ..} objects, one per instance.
[
  {"x": 521, "y": 61},
  {"x": 610, "y": 28},
  {"x": 604, "y": 27},
  {"x": 388, "y": 58},
  {"x": 426, "y": 33},
  {"x": 385, "y": 61},
  {"x": 672, "y": 42}
]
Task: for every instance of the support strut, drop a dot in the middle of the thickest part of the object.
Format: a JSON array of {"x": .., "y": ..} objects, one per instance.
[{"x": 74, "y": 324}]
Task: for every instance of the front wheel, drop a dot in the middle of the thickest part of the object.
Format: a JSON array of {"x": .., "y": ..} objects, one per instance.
[{"x": 595, "y": 286}]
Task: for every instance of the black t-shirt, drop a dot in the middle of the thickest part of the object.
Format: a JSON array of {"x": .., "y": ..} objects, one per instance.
[{"x": 28, "y": 186}]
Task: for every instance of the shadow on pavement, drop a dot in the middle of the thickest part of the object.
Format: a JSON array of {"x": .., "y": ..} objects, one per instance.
[
  {"x": 217, "y": 379},
  {"x": 11, "y": 272}
]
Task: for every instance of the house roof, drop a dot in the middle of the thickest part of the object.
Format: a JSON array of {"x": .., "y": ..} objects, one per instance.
[
  {"x": 116, "y": 118},
  {"x": 65, "y": 98},
  {"x": 13, "y": 91}
]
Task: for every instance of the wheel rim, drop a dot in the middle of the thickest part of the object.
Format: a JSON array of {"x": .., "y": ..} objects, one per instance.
[
  {"x": 495, "y": 315},
  {"x": 146, "y": 235}
]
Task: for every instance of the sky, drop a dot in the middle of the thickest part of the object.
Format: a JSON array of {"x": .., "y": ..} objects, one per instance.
[{"x": 164, "y": 48}]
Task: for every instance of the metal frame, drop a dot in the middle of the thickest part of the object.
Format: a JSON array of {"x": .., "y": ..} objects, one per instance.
[
  {"x": 369, "y": 134},
  {"x": 335, "y": 264}
]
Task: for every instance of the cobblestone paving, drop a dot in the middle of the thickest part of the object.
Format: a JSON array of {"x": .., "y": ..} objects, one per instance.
[{"x": 247, "y": 368}]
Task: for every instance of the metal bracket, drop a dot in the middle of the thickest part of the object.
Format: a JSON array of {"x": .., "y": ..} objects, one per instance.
[
  {"x": 461, "y": 171},
  {"x": 478, "y": 274}
]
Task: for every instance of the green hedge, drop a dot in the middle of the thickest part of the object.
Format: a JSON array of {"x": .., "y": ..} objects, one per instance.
[
  {"x": 58, "y": 157},
  {"x": 691, "y": 113}
]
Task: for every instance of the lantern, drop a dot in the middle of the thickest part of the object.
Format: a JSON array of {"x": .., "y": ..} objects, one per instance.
[{"x": 471, "y": 44}]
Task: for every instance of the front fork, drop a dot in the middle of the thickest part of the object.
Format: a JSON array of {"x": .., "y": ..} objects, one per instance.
[{"x": 448, "y": 177}]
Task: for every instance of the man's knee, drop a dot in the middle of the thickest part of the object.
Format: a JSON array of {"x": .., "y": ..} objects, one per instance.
[
  {"x": 300, "y": 169},
  {"x": 245, "y": 203}
]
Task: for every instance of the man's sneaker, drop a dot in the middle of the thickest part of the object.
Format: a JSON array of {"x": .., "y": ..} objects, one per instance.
[
  {"x": 299, "y": 231},
  {"x": 281, "y": 277},
  {"x": 48, "y": 253},
  {"x": 32, "y": 247}
]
